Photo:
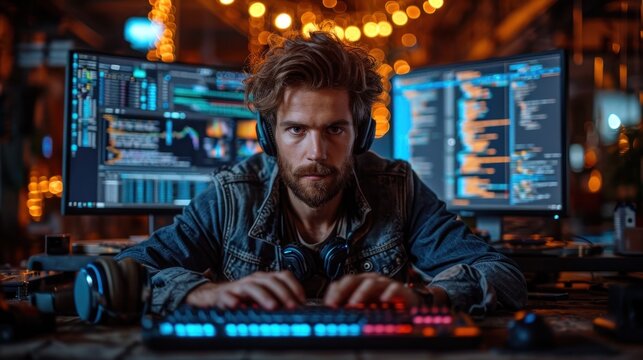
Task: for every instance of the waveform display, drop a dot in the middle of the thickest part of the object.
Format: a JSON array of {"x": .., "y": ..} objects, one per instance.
[
  {"x": 158, "y": 189},
  {"x": 141, "y": 142},
  {"x": 211, "y": 102},
  {"x": 187, "y": 131}
]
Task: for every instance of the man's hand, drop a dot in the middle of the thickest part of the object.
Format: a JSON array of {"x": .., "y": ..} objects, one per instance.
[
  {"x": 270, "y": 290},
  {"x": 374, "y": 288},
  {"x": 369, "y": 288}
]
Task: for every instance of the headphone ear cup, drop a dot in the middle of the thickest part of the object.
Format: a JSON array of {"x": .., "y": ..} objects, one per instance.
[
  {"x": 300, "y": 261},
  {"x": 131, "y": 271},
  {"x": 84, "y": 294},
  {"x": 365, "y": 137},
  {"x": 333, "y": 256},
  {"x": 114, "y": 283},
  {"x": 265, "y": 136}
]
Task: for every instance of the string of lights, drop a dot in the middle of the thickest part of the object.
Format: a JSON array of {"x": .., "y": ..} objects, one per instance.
[{"x": 376, "y": 26}]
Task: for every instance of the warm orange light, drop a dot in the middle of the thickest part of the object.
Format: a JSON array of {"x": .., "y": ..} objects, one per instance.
[
  {"x": 283, "y": 21},
  {"x": 595, "y": 181},
  {"x": 381, "y": 112},
  {"x": 56, "y": 187},
  {"x": 307, "y": 29},
  {"x": 590, "y": 158},
  {"x": 385, "y": 70},
  {"x": 308, "y": 17},
  {"x": 379, "y": 16},
  {"x": 409, "y": 40},
  {"x": 385, "y": 28},
  {"x": 623, "y": 143},
  {"x": 367, "y": 18},
  {"x": 371, "y": 29},
  {"x": 391, "y": 7},
  {"x": 257, "y": 9},
  {"x": 263, "y": 37},
  {"x": 401, "y": 67},
  {"x": 330, "y": 3},
  {"x": 378, "y": 54},
  {"x": 413, "y": 12},
  {"x": 399, "y": 18},
  {"x": 339, "y": 31},
  {"x": 428, "y": 8},
  {"x": 436, "y": 3},
  {"x": 352, "y": 33},
  {"x": 226, "y": 2}
]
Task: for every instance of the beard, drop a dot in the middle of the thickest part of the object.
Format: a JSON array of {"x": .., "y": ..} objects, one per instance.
[{"x": 315, "y": 193}]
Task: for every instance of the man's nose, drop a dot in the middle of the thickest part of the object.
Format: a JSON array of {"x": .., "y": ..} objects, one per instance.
[{"x": 317, "y": 146}]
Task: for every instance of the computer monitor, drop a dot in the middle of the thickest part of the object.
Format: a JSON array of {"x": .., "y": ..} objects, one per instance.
[
  {"x": 488, "y": 137},
  {"x": 144, "y": 137}
]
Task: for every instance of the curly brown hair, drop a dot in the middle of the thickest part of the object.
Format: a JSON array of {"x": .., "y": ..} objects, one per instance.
[{"x": 320, "y": 62}]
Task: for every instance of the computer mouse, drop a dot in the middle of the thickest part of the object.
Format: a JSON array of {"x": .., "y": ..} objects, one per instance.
[{"x": 529, "y": 332}]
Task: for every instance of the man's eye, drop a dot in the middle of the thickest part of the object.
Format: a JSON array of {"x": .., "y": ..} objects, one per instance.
[
  {"x": 295, "y": 130},
  {"x": 335, "y": 130}
]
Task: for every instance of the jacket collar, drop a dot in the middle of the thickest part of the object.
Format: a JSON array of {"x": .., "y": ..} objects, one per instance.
[{"x": 267, "y": 220}]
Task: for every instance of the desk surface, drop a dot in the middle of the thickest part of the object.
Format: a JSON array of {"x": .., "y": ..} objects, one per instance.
[{"x": 571, "y": 320}]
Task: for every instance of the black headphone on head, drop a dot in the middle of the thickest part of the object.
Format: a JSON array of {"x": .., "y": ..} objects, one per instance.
[
  {"x": 107, "y": 290},
  {"x": 266, "y": 136}
]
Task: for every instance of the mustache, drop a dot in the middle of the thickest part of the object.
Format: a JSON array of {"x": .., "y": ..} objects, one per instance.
[{"x": 315, "y": 169}]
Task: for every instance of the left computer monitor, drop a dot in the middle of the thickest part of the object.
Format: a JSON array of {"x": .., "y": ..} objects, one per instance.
[{"x": 144, "y": 137}]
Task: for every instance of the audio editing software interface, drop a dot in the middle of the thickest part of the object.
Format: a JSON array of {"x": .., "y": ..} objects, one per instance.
[
  {"x": 485, "y": 135},
  {"x": 145, "y": 135}
]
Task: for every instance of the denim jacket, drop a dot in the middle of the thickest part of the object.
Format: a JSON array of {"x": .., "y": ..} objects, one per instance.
[{"x": 398, "y": 227}]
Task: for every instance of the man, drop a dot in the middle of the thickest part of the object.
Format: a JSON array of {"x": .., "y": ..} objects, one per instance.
[{"x": 316, "y": 215}]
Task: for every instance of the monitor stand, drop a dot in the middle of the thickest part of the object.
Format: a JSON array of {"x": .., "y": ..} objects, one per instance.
[
  {"x": 150, "y": 224},
  {"x": 492, "y": 224}
]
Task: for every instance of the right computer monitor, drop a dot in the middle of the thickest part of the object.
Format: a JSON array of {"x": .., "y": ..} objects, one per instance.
[{"x": 488, "y": 137}]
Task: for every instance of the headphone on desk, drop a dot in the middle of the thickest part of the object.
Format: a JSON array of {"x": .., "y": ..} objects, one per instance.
[
  {"x": 266, "y": 137},
  {"x": 107, "y": 290}
]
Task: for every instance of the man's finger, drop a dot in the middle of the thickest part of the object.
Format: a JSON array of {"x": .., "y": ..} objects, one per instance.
[
  {"x": 368, "y": 291},
  {"x": 395, "y": 292},
  {"x": 257, "y": 293},
  {"x": 293, "y": 284},
  {"x": 229, "y": 301},
  {"x": 279, "y": 289},
  {"x": 338, "y": 294}
]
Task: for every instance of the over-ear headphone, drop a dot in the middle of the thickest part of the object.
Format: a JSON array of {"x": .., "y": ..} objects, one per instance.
[
  {"x": 304, "y": 262},
  {"x": 266, "y": 136},
  {"x": 107, "y": 290}
]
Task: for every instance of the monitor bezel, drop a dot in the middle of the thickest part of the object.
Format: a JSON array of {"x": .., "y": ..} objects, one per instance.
[
  {"x": 125, "y": 210},
  {"x": 563, "y": 211}
]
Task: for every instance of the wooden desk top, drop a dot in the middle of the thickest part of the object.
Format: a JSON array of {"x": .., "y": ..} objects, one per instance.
[{"x": 571, "y": 320}]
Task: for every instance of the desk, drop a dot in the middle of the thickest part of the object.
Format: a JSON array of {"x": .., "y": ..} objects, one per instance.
[
  {"x": 571, "y": 320},
  {"x": 554, "y": 264}
]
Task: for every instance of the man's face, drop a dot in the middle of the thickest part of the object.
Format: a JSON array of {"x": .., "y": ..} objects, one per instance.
[{"x": 315, "y": 135}]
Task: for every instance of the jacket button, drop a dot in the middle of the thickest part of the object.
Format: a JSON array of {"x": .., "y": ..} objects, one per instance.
[{"x": 367, "y": 266}]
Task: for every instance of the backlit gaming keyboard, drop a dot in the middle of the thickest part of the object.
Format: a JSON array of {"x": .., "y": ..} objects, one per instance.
[{"x": 383, "y": 326}]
